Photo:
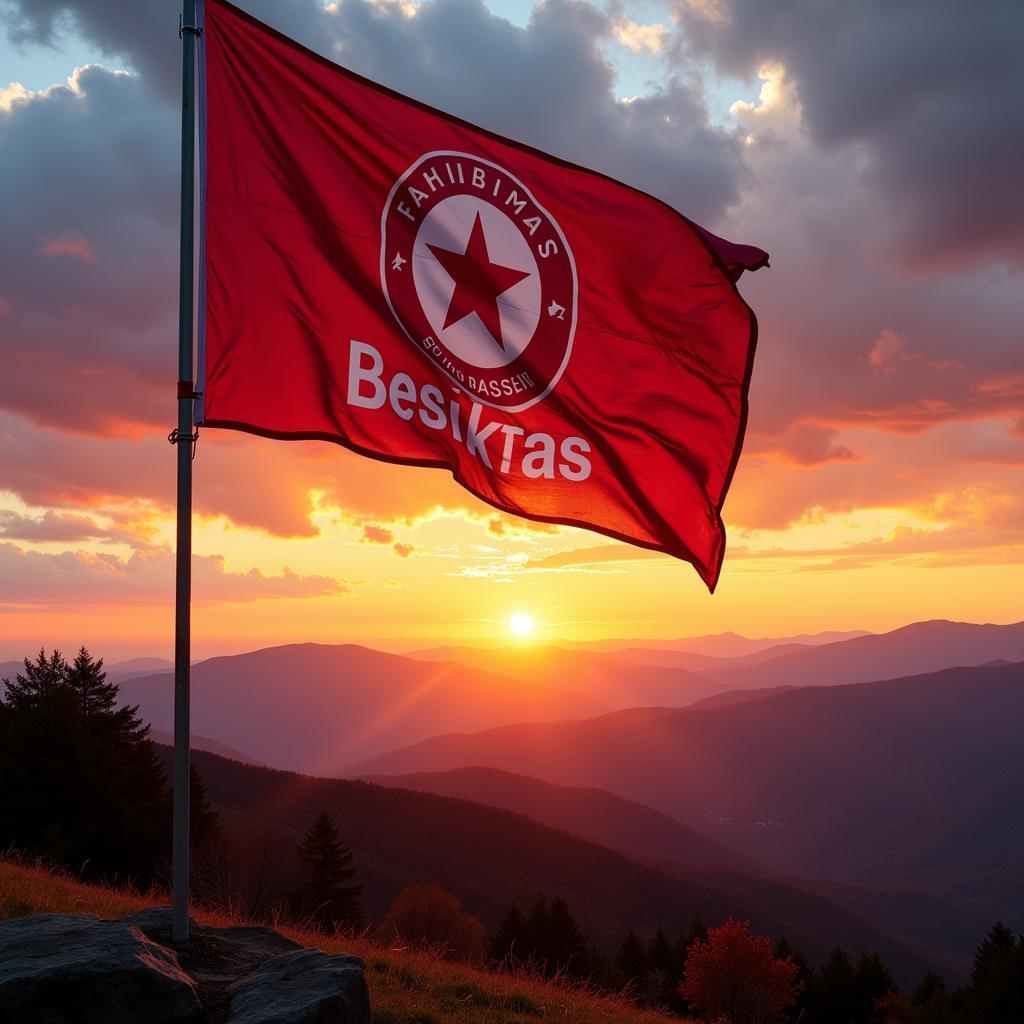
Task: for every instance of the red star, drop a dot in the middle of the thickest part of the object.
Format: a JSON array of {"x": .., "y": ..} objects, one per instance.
[{"x": 478, "y": 282}]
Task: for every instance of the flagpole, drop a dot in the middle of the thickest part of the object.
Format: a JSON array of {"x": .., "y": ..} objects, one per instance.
[{"x": 184, "y": 440}]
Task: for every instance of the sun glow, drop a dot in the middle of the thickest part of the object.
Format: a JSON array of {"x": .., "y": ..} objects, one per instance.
[{"x": 521, "y": 624}]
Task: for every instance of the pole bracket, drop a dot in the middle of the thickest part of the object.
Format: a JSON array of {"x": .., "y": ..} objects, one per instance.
[
  {"x": 194, "y": 30},
  {"x": 177, "y": 436}
]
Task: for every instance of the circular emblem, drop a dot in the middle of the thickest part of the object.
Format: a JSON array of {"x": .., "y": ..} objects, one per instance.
[{"x": 479, "y": 277}]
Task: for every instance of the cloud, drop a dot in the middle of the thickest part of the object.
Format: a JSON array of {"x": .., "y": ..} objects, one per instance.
[
  {"x": 885, "y": 371},
  {"x": 374, "y": 534},
  {"x": 888, "y": 350},
  {"x": 51, "y": 526},
  {"x": 926, "y": 93},
  {"x": 808, "y": 444},
  {"x": 402, "y": 549},
  {"x": 639, "y": 38},
  {"x": 596, "y": 555},
  {"x": 34, "y": 578},
  {"x": 89, "y": 259},
  {"x": 72, "y": 244},
  {"x": 11, "y": 94}
]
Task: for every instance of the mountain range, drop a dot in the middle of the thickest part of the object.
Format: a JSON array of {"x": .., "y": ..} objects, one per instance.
[
  {"x": 915, "y": 781},
  {"x": 489, "y": 857},
  {"x": 316, "y": 707}
]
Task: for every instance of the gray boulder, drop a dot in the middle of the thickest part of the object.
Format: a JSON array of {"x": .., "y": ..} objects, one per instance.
[
  {"x": 78, "y": 969},
  {"x": 304, "y": 986}
]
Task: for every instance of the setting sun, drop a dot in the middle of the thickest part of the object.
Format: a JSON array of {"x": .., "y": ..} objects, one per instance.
[{"x": 521, "y": 624}]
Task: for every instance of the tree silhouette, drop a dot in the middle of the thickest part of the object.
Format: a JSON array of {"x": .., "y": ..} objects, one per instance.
[
  {"x": 41, "y": 682},
  {"x": 325, "y": 893},
  {"x": 204, "y": 819},
  {"x": 509, "y": 944},
  {"x": 997, "y": 978},
  {"x": 733, "y": 974},
  {"x": 554, "y": 938},
  {"x": 930, "y": 990},
  {"x": 661, "y": 956},
  {"x": 872, "y": 983},
  {"x": 631, "y": 959},
  {"x": 82, "y": 785},
  {"x": 428, "y": 917},
  {"x": 836, "y": 987},
  {"x": 804, "y": 976}
]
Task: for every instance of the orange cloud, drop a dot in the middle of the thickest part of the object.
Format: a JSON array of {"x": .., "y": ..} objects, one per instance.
[
  {"x": 73, "y": 244},
  {"x": 374, "y": 534},
  {"x": 31, "y": 578}
]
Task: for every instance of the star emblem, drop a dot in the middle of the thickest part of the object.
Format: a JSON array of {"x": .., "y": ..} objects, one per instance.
[{"x": 478, "y": 282}]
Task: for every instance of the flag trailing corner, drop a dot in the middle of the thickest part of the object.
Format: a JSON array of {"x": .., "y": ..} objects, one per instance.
[{"x": 388, "y": 277}]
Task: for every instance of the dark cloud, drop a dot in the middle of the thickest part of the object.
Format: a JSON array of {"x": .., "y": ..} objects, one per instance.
[
  {"x": 89, "y": 264},
  {"x": 549, "y": 84},
  {"x": 927, "y": 92}
]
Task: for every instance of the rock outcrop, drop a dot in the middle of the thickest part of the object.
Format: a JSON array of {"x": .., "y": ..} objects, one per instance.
[
  {"x": 302, "y": 987},
  {"x": 79, "y": 969}
]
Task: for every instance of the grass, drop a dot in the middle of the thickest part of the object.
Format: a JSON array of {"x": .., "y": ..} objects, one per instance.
[{"x": 405, "y": 987}]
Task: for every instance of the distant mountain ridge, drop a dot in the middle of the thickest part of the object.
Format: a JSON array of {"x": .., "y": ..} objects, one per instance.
[
  {"x": 489, "y": 857},
  {"x": 315, "y": 707},
  {"x": 593, "y": 814},
  {"x": 914, "y": 781},
  {"x": 609, "y": 678},
  {"x": 910, "y": 650}
]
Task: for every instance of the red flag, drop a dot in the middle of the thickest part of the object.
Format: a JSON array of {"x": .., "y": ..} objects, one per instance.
[{"x": 391, "y": 278}]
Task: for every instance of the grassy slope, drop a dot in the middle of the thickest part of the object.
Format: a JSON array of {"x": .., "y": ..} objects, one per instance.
[{"x": 405, "y": 988}]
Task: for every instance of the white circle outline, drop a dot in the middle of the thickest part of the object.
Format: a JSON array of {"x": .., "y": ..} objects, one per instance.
[{"x": 556, "y": 376}]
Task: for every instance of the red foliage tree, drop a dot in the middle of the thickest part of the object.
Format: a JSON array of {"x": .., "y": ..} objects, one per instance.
[
  {"x": 430, "y": 918},
  {"x": 733, "y": 974}
]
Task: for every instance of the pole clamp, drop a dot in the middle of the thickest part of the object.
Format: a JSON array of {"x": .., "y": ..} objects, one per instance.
[
  {"x": 177, "y": 436},
  {"x": 194, "y": 30}
]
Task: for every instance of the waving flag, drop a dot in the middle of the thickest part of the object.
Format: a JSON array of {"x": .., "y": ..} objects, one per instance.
[{"x": 388, "y": 277}]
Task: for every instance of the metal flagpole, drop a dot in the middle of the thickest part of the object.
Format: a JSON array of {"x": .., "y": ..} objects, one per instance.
[{"x": 184, "y": 438}]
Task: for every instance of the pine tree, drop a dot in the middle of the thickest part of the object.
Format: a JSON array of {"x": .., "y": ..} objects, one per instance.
[
  {"x": 930, "y": 991},
  {"x": 872, "y": 982},
  {"x": 509, "y": 943},
  {"x": 997, "y": 978},
  {"x": 97, "y": 703},
  {"x": 204, "y": 818},
  {"x": 566, "y": 943},
  {"x": 997, "y": 945},
  {"x": 42, "y": 680},
  {"x": 631, "y": 959},
  {"x": 82, "y": 784},
  {"x": 836, "y": 987},
  {"x": 660, "y": 955},
  {"x": 537, "y": 926},
  {"x": 329, "y": 866}
]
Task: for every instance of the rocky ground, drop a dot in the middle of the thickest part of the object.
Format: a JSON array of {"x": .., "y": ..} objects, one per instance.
[{"x": 81, "y": 969}]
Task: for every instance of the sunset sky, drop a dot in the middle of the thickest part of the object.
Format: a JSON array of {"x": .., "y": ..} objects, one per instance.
[{"x": 874, "y": 150}]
